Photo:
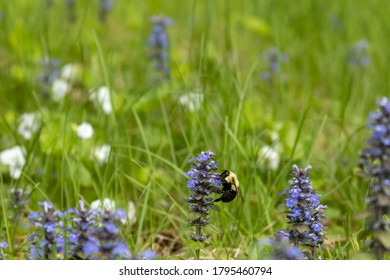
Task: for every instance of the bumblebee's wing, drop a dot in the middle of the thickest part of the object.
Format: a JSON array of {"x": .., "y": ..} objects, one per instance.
[{"x": 240, "y": 196}]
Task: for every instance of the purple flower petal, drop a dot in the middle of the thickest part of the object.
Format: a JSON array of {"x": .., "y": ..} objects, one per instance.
[{"x": 3, "y": 245}]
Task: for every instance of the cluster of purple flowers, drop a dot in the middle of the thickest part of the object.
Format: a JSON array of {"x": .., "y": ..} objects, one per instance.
[
  {"x": 305, "y": 214},
  {"x": 358, "y": 55},
  {"x": 19, "y": 198},
  {"x": 16, "y": 210},
  {"x": 105, "y": 7},
  {"x": 3, "y": 246},
  {"x": 105, "y": 242},
  {"x": 204, "y": 181},
  {"x": 91, "y": 234},
  {"x": 48, "y": 241},
  {"x": 273, "y": 58},
  {"x": 50, "y": 71},
  {"x": 375, "y": 162},
  {"x": 281, "y": 249},
  {"x": 284, "y": 251},
  {"x": 84, "y": 221},
  {"x": 158, "y": 42}
]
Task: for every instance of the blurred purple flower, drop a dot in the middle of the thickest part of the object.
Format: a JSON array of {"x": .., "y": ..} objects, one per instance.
[
  {"x": 375, "y": 163},
  {"x": 158, "y": 43}
]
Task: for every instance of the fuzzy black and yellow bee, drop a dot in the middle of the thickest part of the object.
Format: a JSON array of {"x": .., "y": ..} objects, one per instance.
[{"x": 231, "y": 187}]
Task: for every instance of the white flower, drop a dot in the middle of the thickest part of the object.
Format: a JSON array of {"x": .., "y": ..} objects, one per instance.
[
  {"x": 274, "y": 137},
  {"x": 85, "y": 130},
  {"x": 131, "y": 211},
  {"x": 27, "y": 125},
  {"x": 103, "y": 98},
  {"x": 70, "y": 72},
  {"x": 59, "y": 89},
  {"x": 109, "y": 205},
  {"x": 192, "y": 101},
  {"x": 104, "y": 205},
  {"x": 271, "y": 157},
  {"x": 102, "y": 153},
  {"x": 14, "y": 158}
]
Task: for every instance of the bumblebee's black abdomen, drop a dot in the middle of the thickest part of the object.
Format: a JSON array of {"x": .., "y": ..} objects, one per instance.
[{"x": 227, "y": 196}]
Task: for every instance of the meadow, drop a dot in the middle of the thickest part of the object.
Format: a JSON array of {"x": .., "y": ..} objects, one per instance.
[{"x": 93, "y": 110}]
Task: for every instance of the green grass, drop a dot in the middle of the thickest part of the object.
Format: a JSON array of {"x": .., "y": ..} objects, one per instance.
[{"x": 318, "y": 108}]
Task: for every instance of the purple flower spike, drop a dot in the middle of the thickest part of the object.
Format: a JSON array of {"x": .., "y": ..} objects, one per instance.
[
  {"x": 204, "y": 181},
  {"x": 305, "y": 212},
  {"x": 375, "y": 163},
  {"x": 158, "y": 43},
  {"x": 358, "y": 55},
  {"x": 274, "y": 59},
  {"x": 48, "y": 240}
]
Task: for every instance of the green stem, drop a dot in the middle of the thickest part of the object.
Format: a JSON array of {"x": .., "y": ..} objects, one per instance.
[{"x": 198, "y": 233}]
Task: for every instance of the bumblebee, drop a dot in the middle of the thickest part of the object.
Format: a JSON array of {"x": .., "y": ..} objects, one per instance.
[{"x": 231, "y": 187}]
